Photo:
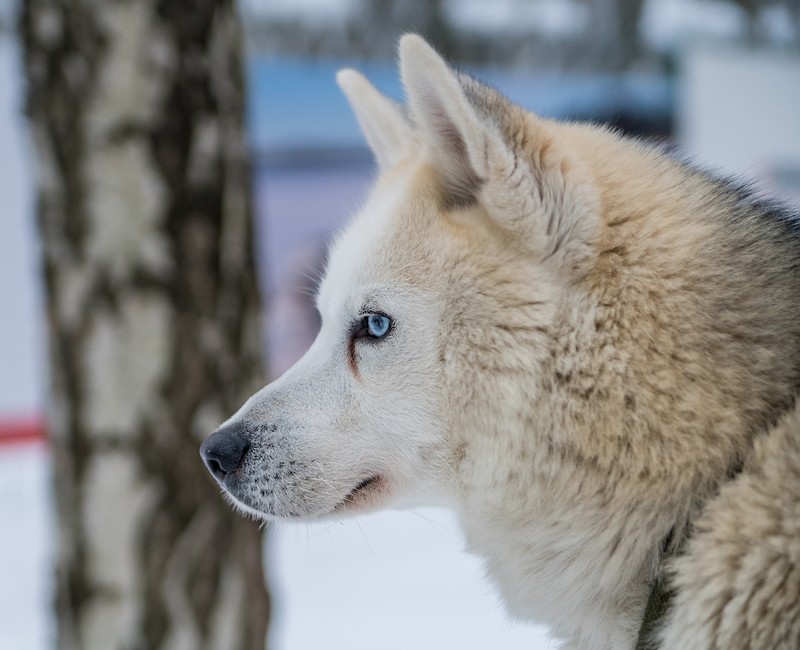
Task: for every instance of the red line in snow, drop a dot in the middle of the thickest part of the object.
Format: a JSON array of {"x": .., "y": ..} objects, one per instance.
[{"x": 17, "y": 429}]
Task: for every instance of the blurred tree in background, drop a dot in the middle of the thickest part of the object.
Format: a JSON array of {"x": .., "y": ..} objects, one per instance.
[
  {"x": 615, "y": 25},
  {"x": 144, "y": 213},
  {"x": 592, "y": 35}
]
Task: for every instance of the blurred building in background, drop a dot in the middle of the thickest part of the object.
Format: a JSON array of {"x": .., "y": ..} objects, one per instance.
[{"x": 524, "y": 34}]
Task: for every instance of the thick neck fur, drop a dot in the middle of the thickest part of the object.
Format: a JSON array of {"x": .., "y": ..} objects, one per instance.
[{"x": 626, "y": 397}]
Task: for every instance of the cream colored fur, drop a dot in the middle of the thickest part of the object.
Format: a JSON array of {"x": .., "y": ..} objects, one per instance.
[
  {"x": 589, "y": 340},
  {"x": 738, "y": 585}
]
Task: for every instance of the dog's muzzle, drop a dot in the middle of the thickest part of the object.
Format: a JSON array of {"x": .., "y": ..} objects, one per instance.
[{"x": 224, "y": 450}]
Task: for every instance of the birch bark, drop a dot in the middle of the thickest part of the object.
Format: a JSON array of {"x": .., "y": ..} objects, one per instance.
[{"x": 136, "y": 111}]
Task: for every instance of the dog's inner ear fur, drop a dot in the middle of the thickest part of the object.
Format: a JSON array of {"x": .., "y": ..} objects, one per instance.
[
  {"x": 447, "y": 125},
  {"x": 451, "y": 157}
]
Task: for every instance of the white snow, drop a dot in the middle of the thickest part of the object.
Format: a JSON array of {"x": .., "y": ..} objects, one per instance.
[
  {"x": 390, "y": 580},
  {"x": 25, "y": 547}
]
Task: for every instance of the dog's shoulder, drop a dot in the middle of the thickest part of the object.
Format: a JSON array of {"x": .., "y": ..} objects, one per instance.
[{"x": 738, "y": 585}]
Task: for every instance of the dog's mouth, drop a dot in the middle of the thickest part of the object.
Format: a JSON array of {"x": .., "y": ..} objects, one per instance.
[{"x": 363, "y": 494}]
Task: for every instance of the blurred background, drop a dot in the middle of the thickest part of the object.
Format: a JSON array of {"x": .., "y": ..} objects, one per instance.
[{"x": 717, "y": 79}]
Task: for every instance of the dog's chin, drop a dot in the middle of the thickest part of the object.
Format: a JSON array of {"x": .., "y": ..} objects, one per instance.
[
  {"x": 243, "y": 508},
  {"x": 366, "y": 496}
]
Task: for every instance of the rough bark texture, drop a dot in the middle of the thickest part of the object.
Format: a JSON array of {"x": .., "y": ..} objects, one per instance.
[{"x": 136, "y": 109}]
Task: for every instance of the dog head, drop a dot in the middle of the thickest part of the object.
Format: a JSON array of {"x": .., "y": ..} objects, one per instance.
[{"x": 435, "y": 303}]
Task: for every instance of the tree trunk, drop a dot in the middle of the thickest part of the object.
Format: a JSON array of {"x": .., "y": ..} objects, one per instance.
[
  {"x": 144, "y": 213},
  {"x": 614, "y": 44}
]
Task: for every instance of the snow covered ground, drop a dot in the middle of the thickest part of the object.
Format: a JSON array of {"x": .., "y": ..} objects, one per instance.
[
  {"x": 391, "y": 580},
  {"x": 25, "y": 536},
  {"x": 396, "y": 580}
]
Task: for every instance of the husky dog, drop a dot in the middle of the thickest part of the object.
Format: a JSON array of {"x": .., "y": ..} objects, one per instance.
[{"x": 588, "y": 350}]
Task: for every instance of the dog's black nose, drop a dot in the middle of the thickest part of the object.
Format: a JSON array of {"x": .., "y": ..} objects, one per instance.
[{"x": 224, "y": 450}]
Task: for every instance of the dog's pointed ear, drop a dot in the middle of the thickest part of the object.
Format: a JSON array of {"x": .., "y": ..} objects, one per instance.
[
  {"x": 490, "y": 152},
  {"x": 447, "y": 123},
  {"x": 386, "y": 129}
]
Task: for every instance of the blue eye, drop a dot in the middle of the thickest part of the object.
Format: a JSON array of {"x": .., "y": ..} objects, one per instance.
[{"x": 378, "y": 325}]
